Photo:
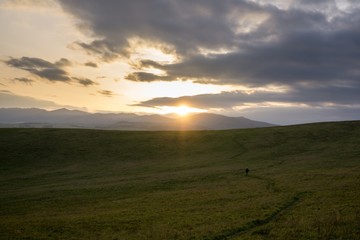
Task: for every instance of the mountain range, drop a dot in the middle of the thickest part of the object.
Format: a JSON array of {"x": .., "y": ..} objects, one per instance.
[{"x": 64, "y": 118}]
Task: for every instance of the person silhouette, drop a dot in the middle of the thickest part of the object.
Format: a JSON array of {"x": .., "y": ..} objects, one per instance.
[{"x": 247, "y": 171}]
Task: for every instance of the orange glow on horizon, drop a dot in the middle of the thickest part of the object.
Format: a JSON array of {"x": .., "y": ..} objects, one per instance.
[{"x": 181, "y": 110}]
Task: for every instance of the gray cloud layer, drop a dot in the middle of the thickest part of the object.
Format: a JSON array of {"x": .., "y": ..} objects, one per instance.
[
  {"x": 308, "y": 96},
  {"x": 300, "y": 106},
  {"x": 185, "y": 24},
  {"x": 312, "y": 47},
  {"x": 303, "y": 43}
]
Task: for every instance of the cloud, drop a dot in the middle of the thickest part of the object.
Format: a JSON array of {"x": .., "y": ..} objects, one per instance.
[
  {"x": 298, "y": 58},
  {"x": 63, "y": 62},
  {"x": 28, "y": 3},
  {"x": 316, "y": 51},
  {"x": 11, "y": 100},
  {"x": 107, "y": 93},
  {"x": 188, "y": 26},
  {"x": 229, "y": 42},
  {"x": 91, "y": 64},
  {"x": 42, "y": 68},
  {"x": 85, "y": 81},
  {"x": 146, "y": 77},
  {"x": 5, "y": 91},
  {"x": 312, "y": 97},
  {"x": 309, "y": 47},
  {"x": 184, "y": 25},
  {"x": 53, "y": 72},
  {"x": 27, "y": 81},
  {"x": 100, "y": 48}
]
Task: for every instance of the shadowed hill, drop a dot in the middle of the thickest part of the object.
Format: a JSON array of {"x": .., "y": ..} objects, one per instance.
[{"x": 92, "y": 184}]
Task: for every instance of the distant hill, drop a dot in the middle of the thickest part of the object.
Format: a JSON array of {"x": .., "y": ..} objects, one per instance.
[
  {"x": 219, "y": 122},
  {"x": 64, "y": 118}
]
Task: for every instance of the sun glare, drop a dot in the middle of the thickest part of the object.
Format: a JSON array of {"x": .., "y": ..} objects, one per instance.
[{"x": 181, "y": 110}]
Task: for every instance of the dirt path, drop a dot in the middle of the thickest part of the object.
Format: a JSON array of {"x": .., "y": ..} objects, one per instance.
[
  {"x": 228, "y": 234},
  {"x": 270, "y": 185}
]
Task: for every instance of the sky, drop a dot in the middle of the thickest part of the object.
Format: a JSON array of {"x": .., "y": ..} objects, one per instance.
[{"x": 279, "y": 61}]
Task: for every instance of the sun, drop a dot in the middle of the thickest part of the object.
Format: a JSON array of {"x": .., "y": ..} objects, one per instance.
[{"x": 181, "y": 110}]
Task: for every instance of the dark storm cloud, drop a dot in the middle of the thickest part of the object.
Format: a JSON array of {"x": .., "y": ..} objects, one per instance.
[
  {"x": 312, "y": 47},
  {"x": 42, "y": 68},
  {"x": 307, "y": 48},
  {"x": 291, "y": 45},
  {"x": 302, "y": 57},
  {"x": 185, "y": 25}
]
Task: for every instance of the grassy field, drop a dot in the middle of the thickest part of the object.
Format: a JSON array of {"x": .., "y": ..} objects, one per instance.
[{"x": 304, "y": 183}]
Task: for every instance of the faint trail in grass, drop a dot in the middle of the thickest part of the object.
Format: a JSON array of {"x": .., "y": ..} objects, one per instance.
[
  {"x": 230, "y": 233},
  {"x": 270, "y": 185},
  {"x": 241, "y": 147}
]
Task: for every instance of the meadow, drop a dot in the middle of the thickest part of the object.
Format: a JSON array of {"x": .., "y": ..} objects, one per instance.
[{"x": 304, "y": 183}]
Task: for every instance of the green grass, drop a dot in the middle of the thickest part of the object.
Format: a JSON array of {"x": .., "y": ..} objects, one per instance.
[{"x": 304, "y": 183}]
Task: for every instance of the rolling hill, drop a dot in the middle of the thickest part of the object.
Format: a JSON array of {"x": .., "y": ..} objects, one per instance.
[
  {"x": 93, "y": 184},
  {"x": 64, "y": 118}
]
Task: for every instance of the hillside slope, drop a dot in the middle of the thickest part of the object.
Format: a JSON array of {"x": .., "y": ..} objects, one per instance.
[{"x": 90, "y": 184}]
